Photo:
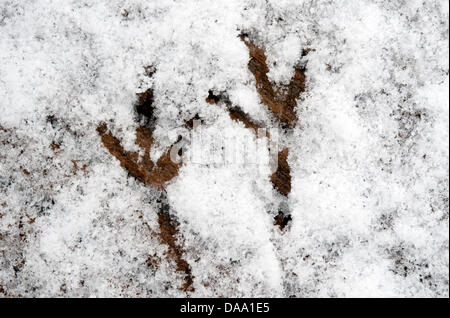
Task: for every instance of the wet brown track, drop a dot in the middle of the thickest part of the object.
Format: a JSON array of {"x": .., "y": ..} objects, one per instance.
[
  {"x": 154, "y": 175},
  {"x": 280, "y": 100}
]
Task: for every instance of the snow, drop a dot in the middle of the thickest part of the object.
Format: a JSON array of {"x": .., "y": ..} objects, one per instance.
[{"x": 369, "y": 156}]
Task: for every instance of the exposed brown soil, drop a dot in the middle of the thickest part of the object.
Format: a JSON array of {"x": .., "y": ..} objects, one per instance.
[
  {"x": 281, "y": 179},
  {"x": 281, "y": 100},
  {"x": 282, "y": 220}
]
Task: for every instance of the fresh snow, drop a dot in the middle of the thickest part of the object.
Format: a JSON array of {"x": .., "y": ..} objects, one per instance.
[{"x": 369, "y": 156}]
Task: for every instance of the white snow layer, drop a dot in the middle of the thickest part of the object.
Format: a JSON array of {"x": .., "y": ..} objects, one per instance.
[{"x": 369, "y": 157}]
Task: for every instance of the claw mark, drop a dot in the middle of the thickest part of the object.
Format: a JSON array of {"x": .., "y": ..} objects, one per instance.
[
  {"x": 235, "y": 112},
  {"x": 280, "y": 100}
]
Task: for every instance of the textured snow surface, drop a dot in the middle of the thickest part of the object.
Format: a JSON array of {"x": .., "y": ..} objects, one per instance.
[{"x": 369, "y": 156}]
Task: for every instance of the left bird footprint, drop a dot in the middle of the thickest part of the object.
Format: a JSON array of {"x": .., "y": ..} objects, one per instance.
[{"x": 155, "y": 175}]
